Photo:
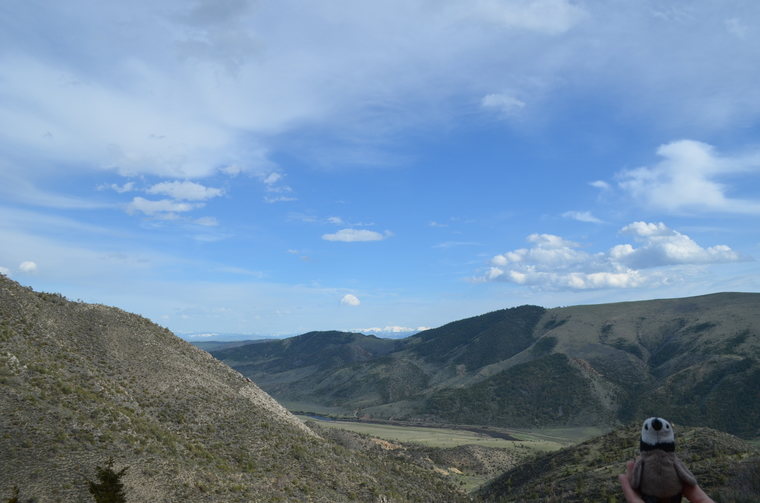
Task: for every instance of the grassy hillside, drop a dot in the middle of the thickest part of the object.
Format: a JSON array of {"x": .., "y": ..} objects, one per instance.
[
  {"x": 725, "y": 466},
  {"x": 696, "y": 360},
  {"x": 80, "y": 383}
]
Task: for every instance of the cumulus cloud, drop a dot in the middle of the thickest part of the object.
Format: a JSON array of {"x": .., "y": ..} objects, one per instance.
[
  {"x": 185, "y": 190},
  {"x": 661, "y": 246},
  {"x": 27, "y": 266},
  {"x": 162, "y": 206},
  {"x": 554, "y": 262},
  {"x": 691, "y": 177},
  {"x": 350, "y": 300},
  {"x": 582, "y": 216},
  {"x": 355, "y": 235},
  {"x": 5, "y": 271}
]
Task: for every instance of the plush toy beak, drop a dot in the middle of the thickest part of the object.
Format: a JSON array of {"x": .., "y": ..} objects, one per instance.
[{"x": 657, "y": 425}]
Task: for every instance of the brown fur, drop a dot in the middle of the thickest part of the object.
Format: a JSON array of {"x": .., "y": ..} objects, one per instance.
[{"x": 660, "y": 474}]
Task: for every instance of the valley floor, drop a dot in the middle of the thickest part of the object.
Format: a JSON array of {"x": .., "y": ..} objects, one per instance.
[{"x": 471, "y": 455}]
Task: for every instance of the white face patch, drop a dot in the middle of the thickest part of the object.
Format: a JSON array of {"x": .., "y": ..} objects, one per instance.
[{"x": 657, "y": 430}]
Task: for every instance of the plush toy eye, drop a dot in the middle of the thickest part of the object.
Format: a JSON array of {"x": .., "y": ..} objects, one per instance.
[
  {"x": 646, "y": 427},
  {"x": 667, "y": 426}
]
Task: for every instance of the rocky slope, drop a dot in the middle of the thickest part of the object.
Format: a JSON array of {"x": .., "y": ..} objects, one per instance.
[{"x": 80, "y": 383}]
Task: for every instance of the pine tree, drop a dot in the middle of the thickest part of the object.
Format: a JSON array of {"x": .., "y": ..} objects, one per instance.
[
  {"x": 110, "y": 489},
  {"x": 14, "y": 497}
]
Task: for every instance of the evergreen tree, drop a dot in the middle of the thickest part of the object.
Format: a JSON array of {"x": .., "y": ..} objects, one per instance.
[
  {"x": 14, "y": 497},
  {"x": 110, "y": 489}
]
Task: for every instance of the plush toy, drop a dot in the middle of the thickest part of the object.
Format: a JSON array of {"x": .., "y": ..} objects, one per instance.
[{"x": 658, "y": 473}]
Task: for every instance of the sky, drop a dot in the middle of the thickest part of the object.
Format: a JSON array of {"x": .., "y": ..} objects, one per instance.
[{"x": 276, "y": 167}]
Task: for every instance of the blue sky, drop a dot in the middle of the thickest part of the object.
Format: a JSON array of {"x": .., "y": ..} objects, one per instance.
[{"x": 263, "y": 167}]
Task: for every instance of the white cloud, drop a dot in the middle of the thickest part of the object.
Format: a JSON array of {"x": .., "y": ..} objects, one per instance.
[
  {"x": 121, "y": 189},
  {"x": 663, "y": 246},
  {"x": 27, "y": 266},
  {"x": 600, "y": 184},
  {"x": 187, "y": 93},
  {"x": 186, "y": 191},
  {"x": 272, "y": 178},
  {"x": 162, "y": 206},
  {"x": 544, "y": 16},
  {"x": 689, "y": 179},
  {"x": 206, "y": 221},
  {"x": 582, "y": 216},
  {"x": 279, "y": 199},
  {"x": 503, "y": 103},
  {"x": 553, "y": 262},
  {"x": 5, "y": 271},
  {"x": 350, "y": 300},
  {"x": 355, "y": 235}
]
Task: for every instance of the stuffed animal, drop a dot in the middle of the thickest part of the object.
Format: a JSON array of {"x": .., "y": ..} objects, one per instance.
[{"x": 658, "y": 474}]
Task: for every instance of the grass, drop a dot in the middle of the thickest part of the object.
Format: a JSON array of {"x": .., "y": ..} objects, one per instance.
[
  {"x": 561, "y": 436},
  {"x": 542, "y": 440}
]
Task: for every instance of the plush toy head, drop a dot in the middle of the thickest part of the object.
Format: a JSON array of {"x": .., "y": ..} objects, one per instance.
[{"x": 657, "y": 433}]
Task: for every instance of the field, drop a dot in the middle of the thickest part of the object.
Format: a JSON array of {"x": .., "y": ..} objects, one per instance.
[{"x": 539, "y": 440}]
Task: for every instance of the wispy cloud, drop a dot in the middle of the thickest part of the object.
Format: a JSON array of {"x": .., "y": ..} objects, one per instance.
[
  {"x": 453, "y": 244},
  {"x": 691, "y": 177},
  {"x": 554, "y": 262},
  {"x": 503, "y": 103},
  {"x": 582, "y": 216},
  {"x": 159, "y": 207},
  {"x": 356, "y": 235},
  {"x": 185, "y": 190}
]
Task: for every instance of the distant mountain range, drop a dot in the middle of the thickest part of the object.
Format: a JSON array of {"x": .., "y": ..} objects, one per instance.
[
  {"x": 224, "y": 337},
  {"x": 80, "y": 383},
  {"x": 694, "y": 360}
]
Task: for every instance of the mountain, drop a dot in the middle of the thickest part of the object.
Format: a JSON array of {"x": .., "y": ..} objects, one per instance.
[
  {"x": 82, "y": 383},
  {"x": 695, "y": 360},
  {"x": 726, "y": 467},
  {"x": 217, "y": 345}
]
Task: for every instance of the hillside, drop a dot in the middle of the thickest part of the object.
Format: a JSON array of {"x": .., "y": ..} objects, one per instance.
[
  {"x": 80, "y": 383},
  {"x": 696, "y": 360},
  {"x": 725, "y": 466}
]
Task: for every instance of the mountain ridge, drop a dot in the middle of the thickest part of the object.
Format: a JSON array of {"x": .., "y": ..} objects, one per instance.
[{"x": 622, "y": 360}]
